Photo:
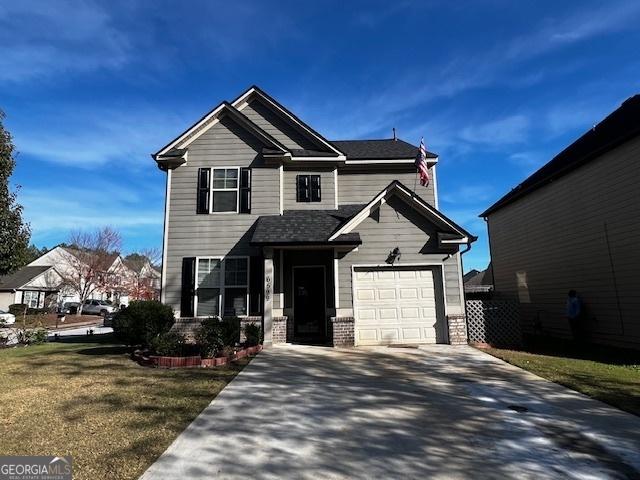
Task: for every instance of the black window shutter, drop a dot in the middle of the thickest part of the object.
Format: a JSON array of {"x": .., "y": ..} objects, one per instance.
[
  {"x": 204, "y": 177},
  {"x": 315, "y": 188},
  {"x": 245, "y": 190},
  {"x": 256, "y": 284},
  {"x": 188, "y": 290},
  {"x": 303, "y": 194}
]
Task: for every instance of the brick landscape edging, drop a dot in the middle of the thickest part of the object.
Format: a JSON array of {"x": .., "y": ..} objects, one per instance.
[{"x": 192, "y": 361}]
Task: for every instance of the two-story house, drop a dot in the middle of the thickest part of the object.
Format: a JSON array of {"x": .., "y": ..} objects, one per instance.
[{"x": 321, "y": 241}]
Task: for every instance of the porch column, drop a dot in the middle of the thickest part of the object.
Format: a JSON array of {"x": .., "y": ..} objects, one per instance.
[{"x": 267, "y": 311}]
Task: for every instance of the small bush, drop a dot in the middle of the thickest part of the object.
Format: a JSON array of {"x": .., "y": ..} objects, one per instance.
[
  {"x": 168, "y": 344},
  {"x": 209, "y": 337},
  {"x": 142, "y": 321},
  {"x": 17, "y": 309},
  {"x": 34, "y": 336},
  {"x": 230, "y": 331},
  {"x": 252, "y": 334}
]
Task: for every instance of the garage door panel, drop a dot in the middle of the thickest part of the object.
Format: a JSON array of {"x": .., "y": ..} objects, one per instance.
[
  {"x": 368, "y": 335},
  {"x": 411, "y": 333},
  {"x": 409, "y": 313},
  {"x": 395, "y": 306},
  {"x": 366, "y": 294},
  {"x": 388, "y": 335},
  {"x": 408, "y": 293},
  {"x": 367, "y": 316}
]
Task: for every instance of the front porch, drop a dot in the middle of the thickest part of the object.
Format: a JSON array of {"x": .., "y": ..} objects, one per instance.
[{"x": 301, "y": 301}]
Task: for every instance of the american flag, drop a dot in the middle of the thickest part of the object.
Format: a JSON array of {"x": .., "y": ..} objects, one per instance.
[{"x": 421, "y": 164}]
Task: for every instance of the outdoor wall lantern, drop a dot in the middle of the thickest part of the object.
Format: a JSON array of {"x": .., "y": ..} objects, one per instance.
[{"x": 393, "y": 256}]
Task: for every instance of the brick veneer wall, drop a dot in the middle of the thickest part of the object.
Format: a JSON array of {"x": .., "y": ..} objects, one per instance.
[
  {"x": 343, "y": 331},
  {"x": 457, "y": 329},
  {"x": 279, "y": 332}
]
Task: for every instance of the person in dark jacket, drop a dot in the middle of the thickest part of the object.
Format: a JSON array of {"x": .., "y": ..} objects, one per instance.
[{"x": 574, "y": 315}]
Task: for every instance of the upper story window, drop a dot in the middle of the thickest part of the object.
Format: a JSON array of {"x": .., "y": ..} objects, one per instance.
[
  {"x": 224, "y": 190},
  {"x": 308, "y": 188}
]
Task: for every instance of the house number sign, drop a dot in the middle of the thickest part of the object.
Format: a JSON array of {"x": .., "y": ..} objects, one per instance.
[{"x": 267, "y": 287}]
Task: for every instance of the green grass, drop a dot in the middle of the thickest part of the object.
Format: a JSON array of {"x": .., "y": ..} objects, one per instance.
[
  {"x": 90, "y": 401},
  {"x": 606, "y": 374}
]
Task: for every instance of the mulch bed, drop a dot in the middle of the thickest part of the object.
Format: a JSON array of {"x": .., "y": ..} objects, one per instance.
[{"x": 192, "y": 361}]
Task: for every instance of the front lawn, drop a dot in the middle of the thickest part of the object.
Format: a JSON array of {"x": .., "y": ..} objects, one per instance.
[
  {"x": 607, "y": 374},
  {"x": 90, "y": 401}
]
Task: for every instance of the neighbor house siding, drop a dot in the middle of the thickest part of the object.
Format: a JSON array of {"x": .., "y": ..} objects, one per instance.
[
  {"x": 327, "y": 190},
  {"x": 397, "y": 225},
  {"x": 190, "y": 234},
  {"x": 579, "y": 232},
  {"x": 276, "y": 126},
  {"x": 360, "y": 186}
]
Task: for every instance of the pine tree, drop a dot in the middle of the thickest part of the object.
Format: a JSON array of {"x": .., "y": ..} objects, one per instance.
[{"x": 14, "y": 233}]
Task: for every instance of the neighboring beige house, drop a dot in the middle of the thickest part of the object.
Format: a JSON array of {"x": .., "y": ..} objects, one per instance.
[
  {"x": 575, "y": 224},
  {"x": 34, "y": 286},
  {"x": 320, "y": 241}
]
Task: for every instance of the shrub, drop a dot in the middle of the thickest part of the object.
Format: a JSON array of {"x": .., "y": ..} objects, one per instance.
[
  {"x": 230, "y": 331},
  {"x": 252, "y": 334},
  {"x": 32, "y": 336},
  {"x": 20, "y": 309},
  {"x": 142, "y": 321},
  {"x": 17, "y": 309},
  {"x": 168, "y": 344},
  {"x": 209, "y": 337}
]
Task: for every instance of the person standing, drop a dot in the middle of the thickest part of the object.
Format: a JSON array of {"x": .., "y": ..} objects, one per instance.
[{"x": 574, "y": 315}]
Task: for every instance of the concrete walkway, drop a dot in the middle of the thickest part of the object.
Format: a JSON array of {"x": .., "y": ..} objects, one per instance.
[{"x": 438, "y": 412}]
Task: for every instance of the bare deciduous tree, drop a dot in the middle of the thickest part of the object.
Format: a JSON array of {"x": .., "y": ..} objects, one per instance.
[
  {"x": 87, "y": 262},
  {"x": 141, "y": 284}
]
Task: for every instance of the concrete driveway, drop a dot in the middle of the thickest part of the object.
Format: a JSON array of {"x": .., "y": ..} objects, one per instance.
[{"x": 436, "y": 412}]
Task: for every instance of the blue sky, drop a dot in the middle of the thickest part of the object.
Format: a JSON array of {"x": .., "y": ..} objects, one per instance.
[{"x": 496, "y": 88}]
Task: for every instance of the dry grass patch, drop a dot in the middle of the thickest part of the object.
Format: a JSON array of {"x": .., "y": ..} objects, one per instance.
[{"x": 90, "y": 401}]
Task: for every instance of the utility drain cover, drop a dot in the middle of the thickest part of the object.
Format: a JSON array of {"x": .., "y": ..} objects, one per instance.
[{"x": 518, "y": 408}]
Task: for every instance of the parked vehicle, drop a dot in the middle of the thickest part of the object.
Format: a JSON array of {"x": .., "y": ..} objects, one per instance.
[
  {"x": 97, "y": 307},
  {"x": 70, "y": 308},
  {"x": 7, "y": 318}
]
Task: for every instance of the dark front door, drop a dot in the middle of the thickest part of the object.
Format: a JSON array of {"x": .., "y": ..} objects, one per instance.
[{"x": 309, "y": 320}]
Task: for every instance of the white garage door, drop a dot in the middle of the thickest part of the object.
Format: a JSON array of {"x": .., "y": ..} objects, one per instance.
[{"x": 395, "y": 306}]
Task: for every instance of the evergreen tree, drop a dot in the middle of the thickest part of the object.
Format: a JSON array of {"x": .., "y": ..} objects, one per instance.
[{"x": 14, "y": 233}]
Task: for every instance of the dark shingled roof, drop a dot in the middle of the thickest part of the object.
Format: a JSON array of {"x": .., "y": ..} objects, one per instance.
[
  {"x": 305, "y": 227},
  {"x": 24, "y": 275},
  {"x": 620, "y": 126},
  {"x": 387, "y": 149}
]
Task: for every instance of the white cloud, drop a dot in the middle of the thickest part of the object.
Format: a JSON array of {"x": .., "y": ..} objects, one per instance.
[
  {"x": 42, "y": 38},
  {"x": 88, "y": 137},
  {"x": 56, "y": 210},
  {"x": 468, "y": 194},
  {"x": 504, "y": 131}
]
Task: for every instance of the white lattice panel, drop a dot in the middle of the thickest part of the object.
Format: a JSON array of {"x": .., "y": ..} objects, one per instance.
[{"x": 496, "y": 322}]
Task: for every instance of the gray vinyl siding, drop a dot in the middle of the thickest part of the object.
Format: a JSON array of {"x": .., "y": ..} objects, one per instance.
[
  {"x": 360, "y": 186},
  {"x": 276, "y": 127},
  {"x": 327, "y": 190},
  {"x": 556, "y": 237},
  {"x": 190, "y": 234},
  {"x": 397, "y": 225}
]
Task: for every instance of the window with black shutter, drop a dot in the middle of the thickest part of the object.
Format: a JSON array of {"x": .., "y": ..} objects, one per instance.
[
  {"x": 308, "y": 188},
  {"x": 204, "y": 176},
  {"x": 245, "y": 190}
]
